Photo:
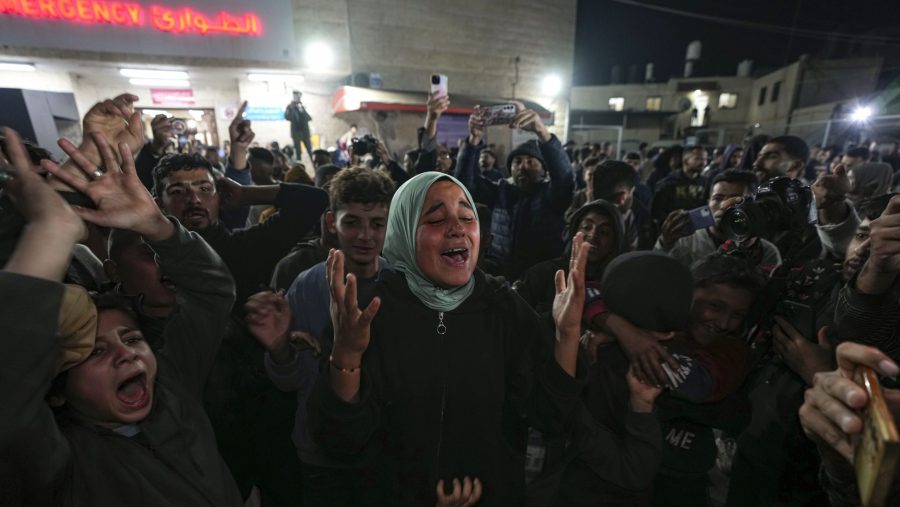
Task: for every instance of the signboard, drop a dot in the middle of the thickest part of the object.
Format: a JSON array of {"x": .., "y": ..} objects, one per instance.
[
  {"x": 157, "y": 17},
  {"x": 172, "y": 96},
  {"x": 264, "y": 113},
  {"x": 198, "y": 28}
]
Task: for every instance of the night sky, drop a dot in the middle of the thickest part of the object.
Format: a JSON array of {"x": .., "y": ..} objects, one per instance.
[{"x": 611, "y": 32}]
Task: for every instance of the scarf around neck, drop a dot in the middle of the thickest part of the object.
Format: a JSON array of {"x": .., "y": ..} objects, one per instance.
[{"x": 400, "y": 242}]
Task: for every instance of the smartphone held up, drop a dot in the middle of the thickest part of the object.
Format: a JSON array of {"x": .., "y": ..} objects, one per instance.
[
  {"x": 501, "y": 114},
  {"x": 438, "y": 85}
]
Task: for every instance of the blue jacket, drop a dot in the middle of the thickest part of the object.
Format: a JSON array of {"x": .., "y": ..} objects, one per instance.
[{"x": 526, "y": 228}]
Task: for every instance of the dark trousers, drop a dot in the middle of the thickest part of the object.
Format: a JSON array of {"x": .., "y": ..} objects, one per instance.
[{"x": 298, "y": 137}]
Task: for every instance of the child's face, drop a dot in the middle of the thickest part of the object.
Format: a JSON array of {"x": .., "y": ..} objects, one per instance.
[{"x": 114, "y": 386}]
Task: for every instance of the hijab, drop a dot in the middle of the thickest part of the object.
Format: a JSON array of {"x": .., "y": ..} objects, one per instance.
[{"x": 400, "y": 242}]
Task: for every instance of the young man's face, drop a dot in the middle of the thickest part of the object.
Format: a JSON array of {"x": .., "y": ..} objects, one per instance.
[
  {"x": 718, "y": 311},
  {"x": 486, "y": 160},
  {"x": 527, "y": 171},
  {"x": 773, "y": 161},
  {"x": 598, "y": 231},
  {"x": 634, "y": 162},
  {"x": 114, "y": 385},
  {"x": 857, "y": 250},
  {"x": 360, "y": 229},
  {"x": 589, "y": 178},
  {"x": 137, "y": 271},
  {"x": 191, "y": 197},
  {"x": 444, "y": 161},
  {"x": 721, "y": 192},
  {"x": 694, "y": 161}
]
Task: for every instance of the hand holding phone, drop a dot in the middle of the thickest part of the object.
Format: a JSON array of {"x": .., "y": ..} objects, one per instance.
[
  {"x": 496, "y": 115},
  {"x": 438, "y": 85},
  {"x": 879, "y": 446},
  {"x": 701, "y": 218}
]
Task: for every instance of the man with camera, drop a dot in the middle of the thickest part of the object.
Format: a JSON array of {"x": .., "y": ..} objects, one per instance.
[
  {"x": 296, "y": 113},
  {"x": 681, "y": 240}
]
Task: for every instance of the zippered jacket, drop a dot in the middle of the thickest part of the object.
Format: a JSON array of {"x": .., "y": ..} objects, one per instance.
[{"x": 438, "y": 406}]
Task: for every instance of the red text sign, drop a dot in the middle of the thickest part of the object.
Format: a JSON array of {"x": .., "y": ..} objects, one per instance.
[
  {"x": 181, "y": 20},
  {"x": 172, "y": 97}
]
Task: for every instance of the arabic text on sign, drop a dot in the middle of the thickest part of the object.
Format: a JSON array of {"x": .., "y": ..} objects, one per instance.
[{"x": 182, "y": 20}]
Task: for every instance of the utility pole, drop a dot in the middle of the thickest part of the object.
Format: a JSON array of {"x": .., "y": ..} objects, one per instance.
[{"x": 515, "y": 82}]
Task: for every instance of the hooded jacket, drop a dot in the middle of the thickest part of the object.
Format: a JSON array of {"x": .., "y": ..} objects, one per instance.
[
  {"x": 537, "y": 286},
  {"x": 526, "y": 228},
  {"x": 436, "y": 407}
]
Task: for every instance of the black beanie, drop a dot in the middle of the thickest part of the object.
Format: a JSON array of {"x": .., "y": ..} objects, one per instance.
[
  {"x": 649, "y": 289},
  {"x": 529, "y": 148}
]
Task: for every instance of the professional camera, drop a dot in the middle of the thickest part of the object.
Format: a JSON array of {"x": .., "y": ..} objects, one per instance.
[
  {"x": 364, "y": 145},
  {"x": 781, "y": 204}
]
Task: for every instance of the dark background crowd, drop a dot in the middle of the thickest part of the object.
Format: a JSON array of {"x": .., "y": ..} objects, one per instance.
[{"x": 565, "y": 325}]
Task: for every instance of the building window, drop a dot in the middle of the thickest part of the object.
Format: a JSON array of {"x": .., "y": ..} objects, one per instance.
[
  {"x": 654, "y": 103},
  {"x": 728, "y": 100},
  {"x": 617, "y": 103},
  {"x": 776, "y": 89},
  {"x": 762, "y": 96}
]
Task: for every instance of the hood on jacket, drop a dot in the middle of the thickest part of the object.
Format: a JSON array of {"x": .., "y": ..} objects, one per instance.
[
  {"x": 606, "y": 209},
  {"x": 529, "y": 148}
]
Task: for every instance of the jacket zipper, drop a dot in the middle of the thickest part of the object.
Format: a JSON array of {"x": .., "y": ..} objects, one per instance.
[{"x": 441, "y": 330}]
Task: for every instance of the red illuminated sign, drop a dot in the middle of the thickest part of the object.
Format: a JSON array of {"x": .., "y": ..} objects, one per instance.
[
  {"x": 182, "y": 20},
  {"x": 170, "y": 96}
]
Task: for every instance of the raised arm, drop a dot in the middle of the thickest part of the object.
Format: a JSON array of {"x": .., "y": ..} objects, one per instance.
[
  {"x": 562, "y": 180},
  {"x": 482, "y": 189},
  {"x": 33, "y": 453}
]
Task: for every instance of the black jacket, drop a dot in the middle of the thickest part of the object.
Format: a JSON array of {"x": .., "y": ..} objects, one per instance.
[
  {"x": 251, "y": 254},
  {"x": 437, "y": 406}
]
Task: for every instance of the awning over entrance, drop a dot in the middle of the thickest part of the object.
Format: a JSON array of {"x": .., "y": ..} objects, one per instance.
[{"x": 352, "y": 98}]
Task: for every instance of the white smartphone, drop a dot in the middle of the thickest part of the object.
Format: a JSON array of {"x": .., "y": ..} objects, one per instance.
[{"x": 438, "y": 85}]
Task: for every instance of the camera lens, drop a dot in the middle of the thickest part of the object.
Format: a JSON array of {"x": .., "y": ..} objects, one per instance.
[
  {"x": 738, "y": 225},
  {"x": 435, "y": 79}
]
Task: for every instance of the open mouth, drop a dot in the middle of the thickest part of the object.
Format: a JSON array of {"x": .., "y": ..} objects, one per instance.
[
  {"x": 196, "y": 213},
  {"x": 456, "y": 256},
  {"x": 167, "y": 282},
  {"x": 133, "y": 391}
]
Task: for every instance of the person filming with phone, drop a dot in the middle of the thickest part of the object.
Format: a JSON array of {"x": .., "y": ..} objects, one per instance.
[
  {"x": 527, "y": 214},
  {"x": 692, "y": 235}
]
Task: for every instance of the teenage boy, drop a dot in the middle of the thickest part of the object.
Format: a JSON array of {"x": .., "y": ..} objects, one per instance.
[{"x": 360, "y": 198}]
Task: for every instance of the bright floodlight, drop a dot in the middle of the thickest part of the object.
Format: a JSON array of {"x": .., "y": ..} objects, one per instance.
[
  {"x": 318, "y": 56},
  {"x": 18, "y": 67},
  {"x": 861, "y": 114},
  {"x": 551, "y": 85}
]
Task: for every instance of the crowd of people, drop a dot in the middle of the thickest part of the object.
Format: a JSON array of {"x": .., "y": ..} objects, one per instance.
[{"x": 575, "y": 326}]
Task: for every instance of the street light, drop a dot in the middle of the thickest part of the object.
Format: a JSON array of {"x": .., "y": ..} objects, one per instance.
[
  {"x": 551, "y": 85},
  {"x": 861, "y": 114},
  {"x": 318, "y": 55}
]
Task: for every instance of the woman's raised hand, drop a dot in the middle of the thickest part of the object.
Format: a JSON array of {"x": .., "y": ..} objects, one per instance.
[
  {"x": 351, "y": 324},
  {"x": 568, "y": 305}
]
